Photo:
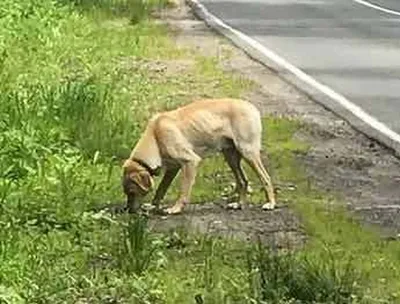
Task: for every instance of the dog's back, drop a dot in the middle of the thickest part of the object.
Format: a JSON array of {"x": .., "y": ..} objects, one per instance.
[{"x": 211, "y": 124}]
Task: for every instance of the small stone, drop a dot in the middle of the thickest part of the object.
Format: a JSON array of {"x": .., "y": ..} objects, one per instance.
[{"x": 148, "y": 207}]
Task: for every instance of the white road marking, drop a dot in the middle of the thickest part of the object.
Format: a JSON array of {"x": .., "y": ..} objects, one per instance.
[
  {"x": 394, "y": 138},
  {"x": 377, "y": 7}
]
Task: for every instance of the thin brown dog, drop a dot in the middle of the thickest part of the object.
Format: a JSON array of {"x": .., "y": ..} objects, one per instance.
[{"x": 179, "y": 139}]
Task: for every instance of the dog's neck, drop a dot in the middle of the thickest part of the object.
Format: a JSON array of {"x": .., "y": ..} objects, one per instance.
[
  {"x": 146, "y": 152},
  {"x": 153, "y": 172}
]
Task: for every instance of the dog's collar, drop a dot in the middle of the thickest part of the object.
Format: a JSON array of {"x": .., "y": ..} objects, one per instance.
[{"x": 153, "y": 172}]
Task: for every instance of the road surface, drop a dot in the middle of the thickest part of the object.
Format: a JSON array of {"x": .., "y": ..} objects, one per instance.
[{"x": 353, "y": 46}]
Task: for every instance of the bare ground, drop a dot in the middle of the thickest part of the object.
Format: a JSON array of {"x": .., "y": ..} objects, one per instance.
[{"x": 341, "y": 160}]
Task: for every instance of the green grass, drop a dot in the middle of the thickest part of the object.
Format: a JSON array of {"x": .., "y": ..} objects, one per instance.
[{"x": 78, "y": 81}]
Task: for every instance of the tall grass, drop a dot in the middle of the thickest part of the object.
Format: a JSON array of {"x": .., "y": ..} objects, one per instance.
[
  {"x": 135, "y": 10},
  {"x": 303, "y": 278},
  {"x": 137, "y": 246}
]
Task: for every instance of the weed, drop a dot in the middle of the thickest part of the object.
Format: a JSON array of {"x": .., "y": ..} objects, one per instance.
[
  {"x": 207, "y": 249},
  {"x": 136, "y": 247},
  {"x": 302, "y": 277}
]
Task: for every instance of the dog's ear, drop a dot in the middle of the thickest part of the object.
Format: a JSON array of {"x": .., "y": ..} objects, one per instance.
[
  {"x": 143, "y": 180},
  {"x": 126, "y": 163}
]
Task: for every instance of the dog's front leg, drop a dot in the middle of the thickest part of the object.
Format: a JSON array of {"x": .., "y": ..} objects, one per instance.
[
  {"x": 189, "y": 170},
  {"x": 168, "y": 177}
]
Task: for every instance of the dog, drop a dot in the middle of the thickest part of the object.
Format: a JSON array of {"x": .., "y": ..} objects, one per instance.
[{"x": 179, "y": 139}]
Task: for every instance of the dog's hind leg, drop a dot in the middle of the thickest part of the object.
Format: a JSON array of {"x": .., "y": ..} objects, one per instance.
[
  {"x": 254, "y": 160},
  {"x": 233, "y": 158},
  {"x": 166, "y": 181}
]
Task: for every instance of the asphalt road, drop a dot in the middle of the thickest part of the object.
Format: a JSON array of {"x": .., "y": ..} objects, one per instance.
[{"x": 352, "y": 48}]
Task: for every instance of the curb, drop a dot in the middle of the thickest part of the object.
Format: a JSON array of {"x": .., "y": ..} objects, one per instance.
[{"x": 320, "y": 93}]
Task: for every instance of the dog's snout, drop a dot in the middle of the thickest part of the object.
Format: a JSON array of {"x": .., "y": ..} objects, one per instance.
[
  {"x": 129, "y": 190},
  {"x": 131, "y": 203},
  {"x": 127, "y": 185}
]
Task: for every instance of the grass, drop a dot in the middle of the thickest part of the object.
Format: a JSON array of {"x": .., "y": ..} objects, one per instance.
[
  {"x": 78, "y": 81},
  {"x": 296, "y": 277}
]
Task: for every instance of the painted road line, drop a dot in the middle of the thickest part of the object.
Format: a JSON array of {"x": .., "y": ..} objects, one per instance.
[
  {"x": 321, "y": 93},
  {"x": 377, "y": 7}
]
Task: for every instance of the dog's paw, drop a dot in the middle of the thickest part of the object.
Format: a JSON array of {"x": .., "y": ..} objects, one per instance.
[
  {"x": 174, "y": 210},
  {"x": 234, "y": 206},
  {"x": 268, "y": 206}
]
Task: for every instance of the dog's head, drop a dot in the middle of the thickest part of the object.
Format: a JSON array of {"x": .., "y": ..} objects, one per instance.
[{"x": 136, "y": 181}]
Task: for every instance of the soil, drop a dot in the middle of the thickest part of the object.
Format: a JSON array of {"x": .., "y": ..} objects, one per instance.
[
  {"x": 342, "y": 161},
  {"x": 279, "y": 228}
]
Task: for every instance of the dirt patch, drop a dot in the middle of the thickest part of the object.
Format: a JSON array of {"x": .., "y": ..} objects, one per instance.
[
  {"x": 279, "y": 227},
  {"x": 341, "y": 161},
  {"x": 364, "y": 174}
]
